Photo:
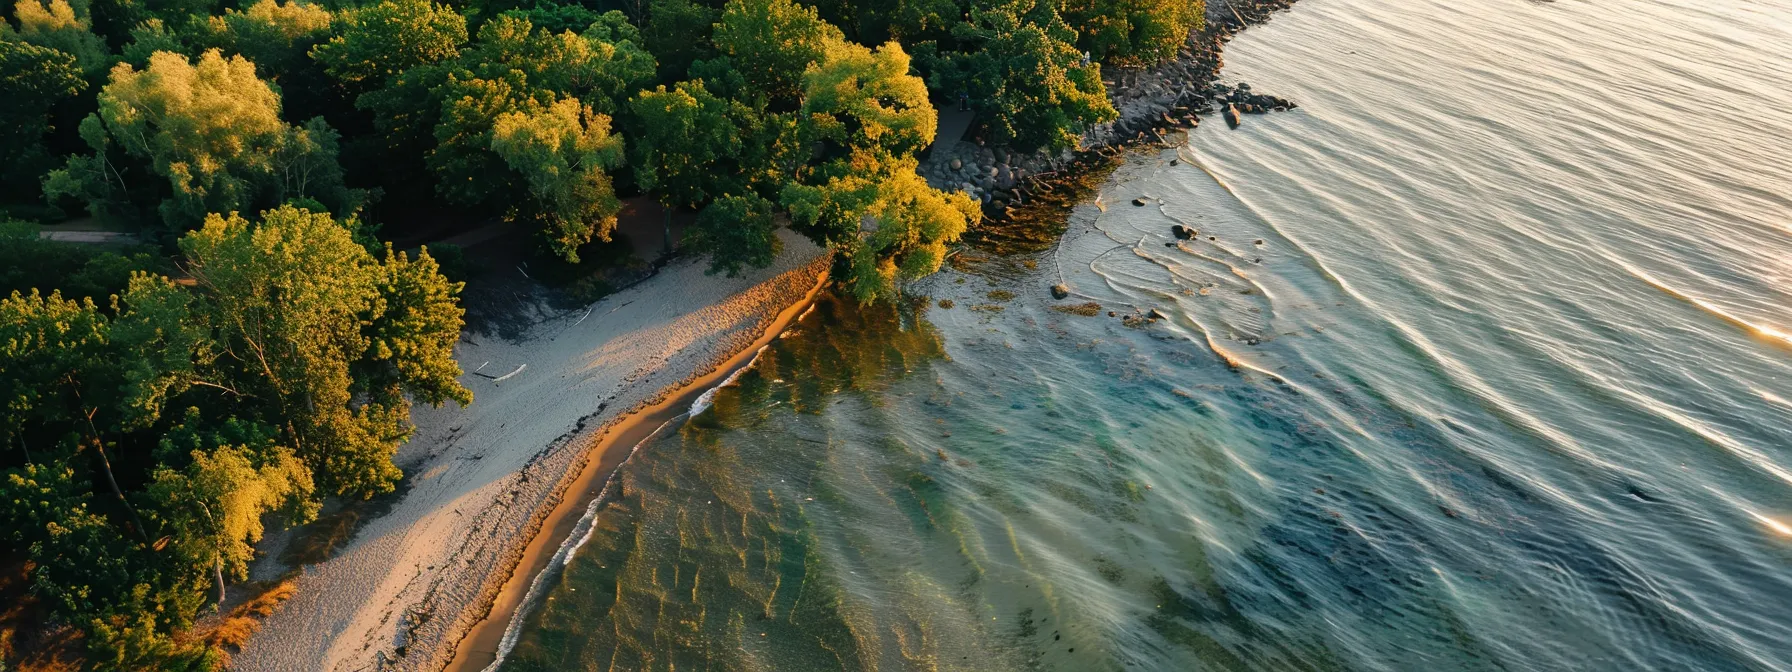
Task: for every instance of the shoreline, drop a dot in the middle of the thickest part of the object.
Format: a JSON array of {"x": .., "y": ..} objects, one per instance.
[
  {"x": 483, "y": 483},
  {"x": 382, "y": 603},
  {"x": 482, "y": 644}
]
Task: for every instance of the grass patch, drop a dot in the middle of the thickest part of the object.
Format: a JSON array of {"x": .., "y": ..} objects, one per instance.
[
  {"x": 1001, "y": 295},
  {"x": 234, "y": 629},
  {"x": 1090, "y": 309}
]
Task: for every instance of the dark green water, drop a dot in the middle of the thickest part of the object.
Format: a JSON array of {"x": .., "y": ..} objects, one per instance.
[{"x": 1481, "y": 363}]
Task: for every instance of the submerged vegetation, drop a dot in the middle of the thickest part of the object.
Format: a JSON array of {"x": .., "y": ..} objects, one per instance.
[{"x": 261, "y": 348}]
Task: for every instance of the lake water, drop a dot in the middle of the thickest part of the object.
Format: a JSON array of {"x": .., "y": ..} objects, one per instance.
[{"x": 1506, "y": 385}]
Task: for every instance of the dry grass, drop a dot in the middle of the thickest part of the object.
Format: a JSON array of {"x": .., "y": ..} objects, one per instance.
[
  {"x": 947, "y": 304},
  {"x": 26, "y": 645},
  {"x": 235, "y": 628},
  {"x": 1090, "y": 309},
  {"x": 1001, "y": 295}
]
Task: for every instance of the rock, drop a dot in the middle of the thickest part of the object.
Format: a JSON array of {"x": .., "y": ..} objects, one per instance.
[
  {"x": 957, "y": 164},
  {"x": 1060, "y": 291},
  {"x": 1183, "y": 232},
  {"x": 1156, "y": 315},
  {"x": 1259, "y": 241},
  {"x": 1231, "y": 116},
  {"x": 1139, "y": 202},
  {"x": 1175, "y": 162}
]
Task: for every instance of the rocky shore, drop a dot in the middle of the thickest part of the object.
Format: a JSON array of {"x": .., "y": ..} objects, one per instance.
[{"x": 1153, "y": 103}]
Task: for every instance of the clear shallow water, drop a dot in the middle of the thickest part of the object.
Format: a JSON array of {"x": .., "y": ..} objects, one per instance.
[{"x": 1506, "y": 386}]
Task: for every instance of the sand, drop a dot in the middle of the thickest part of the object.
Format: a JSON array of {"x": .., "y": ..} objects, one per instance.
[{"x": 482, "y": 480}]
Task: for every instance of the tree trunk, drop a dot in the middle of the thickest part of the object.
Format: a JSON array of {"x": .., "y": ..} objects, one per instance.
[
  {"x": 218, "y": 580},
  {"x": 142, "y": 532}
]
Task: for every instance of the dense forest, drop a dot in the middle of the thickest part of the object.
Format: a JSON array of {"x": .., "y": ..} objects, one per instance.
[{"x": 261, "y": 349}]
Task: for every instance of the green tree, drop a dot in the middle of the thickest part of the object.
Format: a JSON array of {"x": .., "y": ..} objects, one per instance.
[
  {"x": 867, "y": 100},
  {"x": 1134, "y": 32},
  {"x": 887, "y": 224},
  {"x": 678, "y": 34},
  {"x": 373, "y": 44},
  {"x": 686, "y": 143},
  {"x": 771, "y": 43},
  {"x": 563, "y": 153},
  {"x": 735, "y": 231},
  {"x": 149, "y": 37},
  {"x": 211, "y": 129},
  {"x": 524, "y": 127},
  {"x": 36, "y": 79},
  {"x": 59, "y": 26},
  {"x": 1023, "y": 72},
  {"x": 276, "y": 37},
  {"x": 304, "y": 318}
]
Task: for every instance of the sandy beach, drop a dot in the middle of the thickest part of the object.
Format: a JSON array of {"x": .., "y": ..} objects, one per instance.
[{"x": 482, "y": 480}]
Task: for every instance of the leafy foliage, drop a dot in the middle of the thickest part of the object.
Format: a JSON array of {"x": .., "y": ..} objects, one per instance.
[
  {"x": 375, "y": 43},
  {"x": 771, "y": 43},
  {"x": 288, "y": 299},
  {"x": 562, "y": 152},
  {"x": 276, "y": 37},
  {"x": 58, "y": 26},
  {"x": 1022, "y": 70},
  {"x": 211, "y": 129},
  {"x": 36, "y": 79},
  {"x": 1134, "y": 32},
  {"x": 736, "y": 232},
  {"x": 887, "y": 222},
  {"x": 686, "y": 142}
]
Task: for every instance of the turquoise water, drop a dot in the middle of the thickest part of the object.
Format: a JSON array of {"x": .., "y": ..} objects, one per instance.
[{"x": 1506, "y": 384}]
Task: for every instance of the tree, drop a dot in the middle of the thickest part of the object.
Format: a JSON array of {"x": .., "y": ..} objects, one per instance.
[
  {"x": 886, "y": 222},
  {"x": 295, "y": 355},
  {"x": 552, "y": 94},
  {"x": 678, "y": 34},
  {"x": 686, "y": 143},
  {"x": 373, "y": 44},
  {"x": 563, "y": 153},
  {"x": 771, "y": 43},
  {"x": 149, "y": 37},
  {"x": 36, "y": 79},
  {"x": 58, "y": 26},
  {"x": 213, "y": 508},
  {"x": 277, "y": 38},
  {"x": 1024, "y": 74},
  {"x": 289, "y": 299},
  {"x": 1134, "y": 32},
  {"x": 867, "y": 99},
  {"x": 736, "y": 231},
  {"x": 211, "y": 129}
]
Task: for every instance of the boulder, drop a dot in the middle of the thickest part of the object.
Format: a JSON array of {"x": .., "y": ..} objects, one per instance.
[
  {"x": 1184, "y": 233},
  {"x": 1060, "y": 291},
  {"x": 1231, "y": 115},
  {"x": 1140, "y": 201},
  {"x": 957, "y": 164},
  {"x": 1155, "y": 315}
]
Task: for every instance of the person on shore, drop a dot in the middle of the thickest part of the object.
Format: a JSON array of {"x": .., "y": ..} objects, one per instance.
[{"x": 964, "y": 101}]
